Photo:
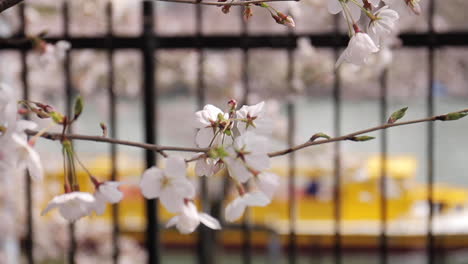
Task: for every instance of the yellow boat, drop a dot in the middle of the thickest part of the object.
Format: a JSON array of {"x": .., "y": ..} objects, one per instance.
[{"x": 360, "y": 211}]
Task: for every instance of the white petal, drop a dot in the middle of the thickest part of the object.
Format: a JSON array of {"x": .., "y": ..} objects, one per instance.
[
  {"x": 375, "y": 3},
  {"x": 355, "y": 11},
  {"x": 258, "y": 162},
  {"x": 110, "y": 192},
  {"x": 234, "y": 210},
  {"x": 334, "y": 6},
  {"x": 34, "y": 165},
  {"x": 175, "y": 167},
  {"x": 209, "y": 221},
  {"x": 100, "y": 204},
  {"x": 255, "y": 199},
  {"x": 204, "y": 137},
  {"x": 204, "y": 167},
  {"x": 173, "y": 221},
  {"x": 183, "y": 187},
  {"x": 237, "y": 169},
  {"x": 173, "y": 202},
  {"x": 268, "y": 183},
  {"x": 150, "y": 183}
]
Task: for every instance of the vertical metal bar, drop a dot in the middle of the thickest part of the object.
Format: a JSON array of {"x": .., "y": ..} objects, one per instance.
[
  {"x": 246, "y": 225},
  {"x": 68, "y": 109},
  {"x": 149, "y": 108},
  {"x": 292, "y": 210},
  {"x": 337, "y": 154},
  {"x": 113, "y": 130},
  {"x": 28, "y": 243},
  {"x": 205, "y": 250},
  {"x": 430, "y": 136},
  {"x": 383, "y": 170}
]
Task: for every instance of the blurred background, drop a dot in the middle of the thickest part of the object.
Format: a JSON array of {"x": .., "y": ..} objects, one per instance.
[{"x": 145, "y": 68}]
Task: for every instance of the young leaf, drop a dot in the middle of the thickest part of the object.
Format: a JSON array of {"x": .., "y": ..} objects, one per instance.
[
  {"x": 319, "y": 135},
  {"x": 453, "y": 116},
  {"x": 79, "y": 104},
  {"x": 397, "y": 115}
]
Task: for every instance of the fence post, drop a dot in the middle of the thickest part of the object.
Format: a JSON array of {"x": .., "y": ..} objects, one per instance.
[{"x": 149, "y": 108}]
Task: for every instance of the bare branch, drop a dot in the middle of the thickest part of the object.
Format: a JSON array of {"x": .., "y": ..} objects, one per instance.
[
  {"x": 161, "y": 149},
  {"x": 5, "y": 4}
]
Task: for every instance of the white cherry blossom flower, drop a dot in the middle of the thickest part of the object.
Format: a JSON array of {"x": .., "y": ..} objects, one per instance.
[
  {"x": 253, "y": 119},
  {"x": 27, "y": 157},
  {"x": 189, "y": 219},
  {"x": 170, "y": 185},
  {"x": 383, "y": 24},
  {"x": 335, "y": 7},
  {"x": 208, "y": 122},
  {"x": 359, "y": 48},
  {"x": 72, "y": 206},
  {"x": 247, "y": 154},
  {"x": 107, "y": 192},
  {"x": 267, "y": 183},
  {"x": 50, "y": 53},
  {"x": 206, "y": 166},
  {"x": 235, "y": 209}
]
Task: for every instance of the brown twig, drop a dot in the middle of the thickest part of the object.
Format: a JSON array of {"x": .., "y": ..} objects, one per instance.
[{"x": 161, "y": 149}]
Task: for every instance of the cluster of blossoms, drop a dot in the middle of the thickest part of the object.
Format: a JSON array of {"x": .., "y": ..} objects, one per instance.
[
  {"x": 382, "y": 17},
  {"x": 236, "y": 141}
]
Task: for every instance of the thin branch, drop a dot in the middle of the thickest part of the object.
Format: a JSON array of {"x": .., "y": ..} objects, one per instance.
[
  {"x": 5, "y": 4},
  {"x": 227, "y": 3},
  {"x": 157, "y": 148},
  {"x": 161, "y": 149},
  {"x": 351, "y": 135}
]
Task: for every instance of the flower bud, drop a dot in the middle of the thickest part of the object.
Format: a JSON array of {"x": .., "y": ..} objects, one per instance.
[
  {"x": 247, "y": 13},
  {"x": 226, "y": 9},
  {"x": 397, "y": 115},
  {"x": 360, "y": 138}
]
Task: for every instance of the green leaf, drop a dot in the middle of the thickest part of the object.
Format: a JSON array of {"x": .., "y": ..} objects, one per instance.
[
  {"x": 319, "y": 135},
  {"x": 78, "y": 109},
  {"x": 397, "y": 115},
  {"x": 361, "y": 138}
]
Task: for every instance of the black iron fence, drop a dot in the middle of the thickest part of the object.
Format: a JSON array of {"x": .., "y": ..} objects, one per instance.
[{"x": 149, "y": 43}]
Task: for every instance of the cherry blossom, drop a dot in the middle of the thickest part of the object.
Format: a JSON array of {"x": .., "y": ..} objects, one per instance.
[
  {"x": 267, "y": 183},
  {"x": 170, "y": 185},
  {"x": 248, "y": 154},
  {"x": 235, "y": 209},
  {"x": 209, "y": 121},
  {"x": 189, "y": 219},
  {"x": 27, "y": 157},
  {"x": 359, "y": 48},
  {"x": 107, "y": 192},
  {"x": 51, "y": 53},
  {"x": 383, "y": 24},
  {"x": 336, "y": 6},
  {"x": 253, "y": 118},
  {"x": 72, "y": 206},
  {"x": 206, "y": 166}
]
